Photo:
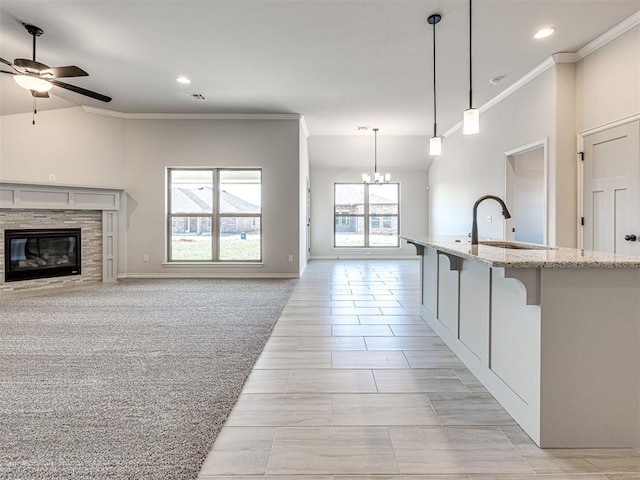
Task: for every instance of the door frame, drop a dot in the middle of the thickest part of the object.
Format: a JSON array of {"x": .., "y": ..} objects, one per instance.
[
  {"x": 508, "y": 183},
  {"x": 580, "y": 149}
]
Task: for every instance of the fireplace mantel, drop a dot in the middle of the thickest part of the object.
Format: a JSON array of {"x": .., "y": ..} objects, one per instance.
[
  {"x": 52, "y": 196},
  {"x": 29, "y": 196}
]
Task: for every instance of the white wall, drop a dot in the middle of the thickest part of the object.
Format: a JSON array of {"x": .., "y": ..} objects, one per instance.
[
  {"x": 154, "y": 145},
  {"x": 473, "y": 166},
  {"x": 85, "y": 149},
  {"x": 79, "y": 148},
  {"x": 413, "y": 211},
  {"x": 603, "y": 87},
  {"x": 608, "y": 82}
]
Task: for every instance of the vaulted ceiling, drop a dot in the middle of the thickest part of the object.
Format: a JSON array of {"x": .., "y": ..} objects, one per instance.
[{"x": 341, "y": 63}]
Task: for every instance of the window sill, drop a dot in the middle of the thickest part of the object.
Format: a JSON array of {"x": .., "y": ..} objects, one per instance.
[{"x": 212, "y": 264}]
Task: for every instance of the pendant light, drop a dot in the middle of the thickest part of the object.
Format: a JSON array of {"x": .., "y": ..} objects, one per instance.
[
  {"x": 377, "y": 177},
  {"x": 471, "y": 118},
  {"x": 435, "y": 144}
]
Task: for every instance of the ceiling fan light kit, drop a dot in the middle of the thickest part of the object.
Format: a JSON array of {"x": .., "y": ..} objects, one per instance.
[{"x": 33, "y": 83}]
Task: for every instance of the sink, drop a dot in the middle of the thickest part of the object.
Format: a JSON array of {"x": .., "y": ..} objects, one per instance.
[{"x": 514, "y": 245}]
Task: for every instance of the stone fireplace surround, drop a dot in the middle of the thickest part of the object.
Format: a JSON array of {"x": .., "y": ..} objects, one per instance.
[{"x": 93, "y": 210}]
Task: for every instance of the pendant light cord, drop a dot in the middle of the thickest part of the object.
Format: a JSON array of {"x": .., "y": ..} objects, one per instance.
[
  {"x": 435, "y": 121},
  {"x": 470, "y": 61}
]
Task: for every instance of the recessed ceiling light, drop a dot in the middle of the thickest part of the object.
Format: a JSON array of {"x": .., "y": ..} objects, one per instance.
[
  {"x": 363, "y": 128},
  {"x": 184, "y": 80},
  {"x": 544, "y": 32},
  {"x": 496, "y": 80}
]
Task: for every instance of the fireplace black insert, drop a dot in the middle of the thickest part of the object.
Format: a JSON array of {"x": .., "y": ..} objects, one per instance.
[{"x": 41, "y": 253}]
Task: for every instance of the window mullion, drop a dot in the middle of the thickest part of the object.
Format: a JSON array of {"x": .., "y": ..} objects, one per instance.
[
  {"x": 168, "y": 232},
  {"x": 366, "y": 215},
  {"x": 215, "y": 214}
]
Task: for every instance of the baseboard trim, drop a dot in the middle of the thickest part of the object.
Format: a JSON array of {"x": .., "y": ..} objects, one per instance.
[
  {"x": 207, "y": 275},
  {"x": 362, "y": 257}
]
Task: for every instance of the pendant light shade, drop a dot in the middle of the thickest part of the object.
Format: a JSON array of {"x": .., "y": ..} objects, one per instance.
[
  {"x": 471, "y": 121},
  {"x": 32, "y": 83},
  {"x": 471, "y": 118},
  {"x": 435, "y": 144},
  {"x": 377, "y": 177}
]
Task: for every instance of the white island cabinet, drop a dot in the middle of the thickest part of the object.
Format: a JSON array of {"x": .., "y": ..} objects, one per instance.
[{"x": 553, "y": 334}]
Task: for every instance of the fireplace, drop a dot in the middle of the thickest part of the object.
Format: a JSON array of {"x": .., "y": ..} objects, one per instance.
[{"x": 41, "y": 253}]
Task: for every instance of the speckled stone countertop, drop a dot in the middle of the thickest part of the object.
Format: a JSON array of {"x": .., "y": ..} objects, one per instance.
[{"x": 549, "y": 257}]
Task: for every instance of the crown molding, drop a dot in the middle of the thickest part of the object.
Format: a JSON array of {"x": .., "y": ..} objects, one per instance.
[
  {"x": 510, "y": 90},
  {"x": 303, "y": 126},
  {"x": 563, "y": 57},
  {"x": 610, "y": 35},
  {"x": 191, "y": 116}
]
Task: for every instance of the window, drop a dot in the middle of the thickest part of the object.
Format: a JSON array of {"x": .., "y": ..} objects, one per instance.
[
  {"x": 366, "y": 215},
  {"x": 214, "y": 215}
]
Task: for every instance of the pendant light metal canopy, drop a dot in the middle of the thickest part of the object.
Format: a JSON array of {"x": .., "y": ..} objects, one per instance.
[
  {"x": 471, "y": 118},
  {"x": 435, "y": 144},
  {"x": 377, "y": 177}
]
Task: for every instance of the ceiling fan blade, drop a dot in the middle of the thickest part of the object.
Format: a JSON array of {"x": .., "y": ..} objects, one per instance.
[
  {"x": 6, "y": 62},
  {"x": 81, "y": 91},
  {"x": 60, "y": 72},
  {"x": 10, "y": 73}
]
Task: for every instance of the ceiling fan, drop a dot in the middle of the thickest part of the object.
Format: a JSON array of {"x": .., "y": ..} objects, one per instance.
[{"x": 39, "y": 78}]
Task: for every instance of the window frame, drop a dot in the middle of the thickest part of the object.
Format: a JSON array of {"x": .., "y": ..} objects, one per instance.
[
  {"x": 214, "y": 216},
  {"x": 366, "y": 217}
]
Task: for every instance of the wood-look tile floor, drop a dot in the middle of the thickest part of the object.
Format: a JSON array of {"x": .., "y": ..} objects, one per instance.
[{"x": 354, "y": 385}]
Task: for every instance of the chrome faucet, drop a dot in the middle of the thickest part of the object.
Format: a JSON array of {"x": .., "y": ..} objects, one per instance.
[{"x": 474, "y": 227}]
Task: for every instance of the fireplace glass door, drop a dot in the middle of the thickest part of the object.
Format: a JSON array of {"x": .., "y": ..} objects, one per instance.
[{"x": 43, "y": 253}]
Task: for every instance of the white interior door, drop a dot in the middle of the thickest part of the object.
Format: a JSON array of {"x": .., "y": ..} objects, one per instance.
[{"x": 611, "y": 190}]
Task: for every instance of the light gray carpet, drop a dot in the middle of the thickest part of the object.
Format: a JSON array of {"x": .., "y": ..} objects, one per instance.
[{"x": 132, "y": 380}]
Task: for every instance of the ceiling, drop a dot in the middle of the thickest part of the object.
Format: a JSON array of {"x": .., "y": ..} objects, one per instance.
[{"x": 341, "y": 63}]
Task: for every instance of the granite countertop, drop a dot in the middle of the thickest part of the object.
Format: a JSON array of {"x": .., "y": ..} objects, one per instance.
[{"x": 550, "y": 257}]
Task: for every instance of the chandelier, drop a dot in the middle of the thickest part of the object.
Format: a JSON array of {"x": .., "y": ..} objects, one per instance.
[{"x": 377, "y": 177}]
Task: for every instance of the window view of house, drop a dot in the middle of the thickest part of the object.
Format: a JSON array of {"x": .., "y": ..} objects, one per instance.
[
  {"x": 366, "y": 215},
  {"x": 214, "y": 215}
]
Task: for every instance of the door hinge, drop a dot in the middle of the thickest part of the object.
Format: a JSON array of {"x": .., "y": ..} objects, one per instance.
[
  {"x": 582, "y": 221},
  {"x": 581, "y": 155}
]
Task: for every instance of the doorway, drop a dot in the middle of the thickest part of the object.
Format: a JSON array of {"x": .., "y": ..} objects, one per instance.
[{"x": 526, "y": 192}]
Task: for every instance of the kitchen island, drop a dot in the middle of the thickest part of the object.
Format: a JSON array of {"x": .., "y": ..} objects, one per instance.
[{"x": 552, "y": 333}]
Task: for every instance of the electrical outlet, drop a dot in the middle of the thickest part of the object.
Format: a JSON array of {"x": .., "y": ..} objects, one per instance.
[
  {"x": 291, "y": 258},
  {"x": 145, "y": 258},
  {"x": 52, "y": 177}
]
